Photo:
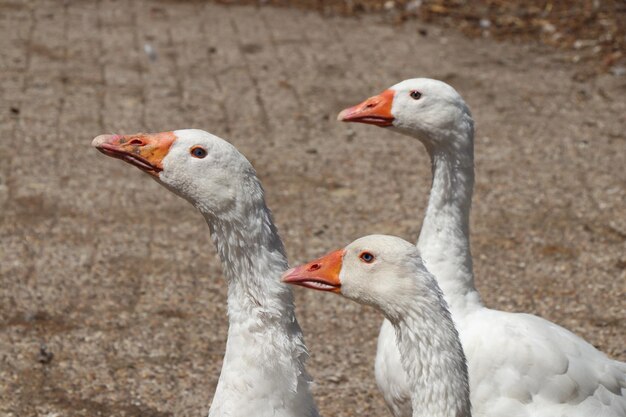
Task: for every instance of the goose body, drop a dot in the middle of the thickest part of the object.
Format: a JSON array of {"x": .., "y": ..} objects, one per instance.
[
  {"x": 520, "y": 365},
  {"x": 263, "y": 373},
  {"x": 387, "y": 273}
]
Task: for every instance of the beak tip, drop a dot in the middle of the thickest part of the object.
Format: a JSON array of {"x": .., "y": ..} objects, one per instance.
[
  {"x": 101, "y": 139},
  {"x": 341, "y": 117}
]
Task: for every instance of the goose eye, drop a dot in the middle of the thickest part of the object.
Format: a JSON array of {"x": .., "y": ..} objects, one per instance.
[
  {"x": 415, "y": 95},
  {"x": 198, "y": 152},
  {"x": 367, "y": 257}
]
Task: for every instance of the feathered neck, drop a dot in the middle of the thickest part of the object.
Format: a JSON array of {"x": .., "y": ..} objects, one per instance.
[
  {"x": 431, "y": 355},
  {"x": 263, "y": 373},
  {"x": 444, "y": 239}
]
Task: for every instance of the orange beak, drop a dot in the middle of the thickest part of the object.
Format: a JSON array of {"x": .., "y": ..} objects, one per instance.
[
  {"x": 143, "y": 150},
  {"x": 373, "y": 111},
  {"x": 321, "y": 274}
]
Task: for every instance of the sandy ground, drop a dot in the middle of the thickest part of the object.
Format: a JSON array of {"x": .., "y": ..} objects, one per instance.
[
  {"x": 594, "y": 32},
  {"x": 112, "y": 300}
]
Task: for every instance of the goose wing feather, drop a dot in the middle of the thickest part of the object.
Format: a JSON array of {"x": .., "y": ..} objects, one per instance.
[{"x": 522, "y": 365}]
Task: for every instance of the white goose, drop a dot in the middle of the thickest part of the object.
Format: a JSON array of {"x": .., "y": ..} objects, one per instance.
[
  {"x": 519, "y": 364},
  {"x": 387, "y": 273},
  {"x": 263, "y": 373}
]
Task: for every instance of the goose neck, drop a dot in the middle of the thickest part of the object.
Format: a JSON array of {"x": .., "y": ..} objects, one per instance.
[
  {"x": 444, "y": 239},
  {"x": 263, "y": 372},
  {"x": 432, "y": 357},
  {"x": 252, "y": 256}
]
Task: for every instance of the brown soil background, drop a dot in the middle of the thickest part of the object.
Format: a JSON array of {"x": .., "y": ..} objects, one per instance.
[
  {"x": 593, "y": 31},
  {"x": 112, "y": 301}
]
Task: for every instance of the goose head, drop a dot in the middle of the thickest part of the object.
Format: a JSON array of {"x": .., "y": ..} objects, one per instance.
[
  {"x": 385, "y": 272},
  {"x": 194, "y": 164},
  {"x": 429, "y": 110}
]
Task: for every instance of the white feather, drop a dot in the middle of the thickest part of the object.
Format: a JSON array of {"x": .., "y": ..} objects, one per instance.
[
  {"x": 395, "y": 282},
  {"x": 519, "y": 364},
  {"x": 263, "y": 372}
]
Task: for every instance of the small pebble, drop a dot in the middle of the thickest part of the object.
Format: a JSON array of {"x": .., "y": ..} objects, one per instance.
[
  {"x": 618, "y": 71},
  {"x": 45, "y": 356},
  {"x": 413, "y": 6},
  {"x": 150, "y": 51}
]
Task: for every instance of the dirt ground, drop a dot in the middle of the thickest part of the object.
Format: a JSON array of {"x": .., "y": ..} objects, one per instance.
[
  {"x": 592, "y": 31},
  {"x": 112, "y": 301}
]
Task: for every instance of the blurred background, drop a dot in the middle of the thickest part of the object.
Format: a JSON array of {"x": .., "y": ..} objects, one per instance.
[
  {"x": 112, "y": 300},
  {"x": 594, "y": 30}
]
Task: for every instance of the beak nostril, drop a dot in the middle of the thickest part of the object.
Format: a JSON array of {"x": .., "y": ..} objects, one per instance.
[
  {"x": 137, "y": 142},
  {"x": 314, "y": 267}
]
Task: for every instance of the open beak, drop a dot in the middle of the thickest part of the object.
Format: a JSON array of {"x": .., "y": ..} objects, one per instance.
[
  {"x": 321, "y": 274},
  {"x": 143, "y": 150},
  {"x": 373, "y": 111}
]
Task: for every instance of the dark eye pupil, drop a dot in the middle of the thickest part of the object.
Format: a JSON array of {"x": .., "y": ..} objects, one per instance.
[
  {"x": 367, "y": 257},
  {"x": 416, "y": 94},
  {"x": 198, "y": 152}
]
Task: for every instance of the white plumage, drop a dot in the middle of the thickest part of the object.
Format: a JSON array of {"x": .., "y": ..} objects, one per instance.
[
  {"x": 387, "y": 273},
  {"x": 263, "y": 373},
  {"x": 520, "y": 365}
]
